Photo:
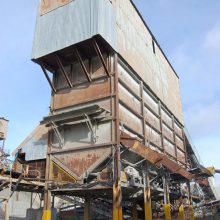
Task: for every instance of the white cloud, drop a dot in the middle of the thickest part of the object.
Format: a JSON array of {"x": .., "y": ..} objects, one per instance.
[
  {"x": 203, "y": 119},
  {"x": 212, "y": 39}
]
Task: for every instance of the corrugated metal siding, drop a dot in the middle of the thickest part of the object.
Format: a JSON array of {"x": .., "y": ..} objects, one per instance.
[
  {"x": 135, "y": 46},
  {"x": 142, "y": 114},
  {"x": 73, "y": 23},
  {"x": 35, "y": 145}
]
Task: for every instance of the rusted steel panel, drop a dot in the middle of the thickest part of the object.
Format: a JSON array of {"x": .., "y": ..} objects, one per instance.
[
  {"x": 79, "y": 135},
  {"x": 176, "y": 168},
  {"x": 152, "y": 136},
  {"x": 49, "y": 5},
  {"x": 178, "y": 130},
  {"x": 180, "y": 143},
  {"x": 153, "y": 156},
  {"x": 166, "y": 118},
  {"x": 129, "y": 99},
  {"x": 136, "y": 47},
  {"x": 145, "y": 152},
  {"x": 169, "y": 147},
  {"x": 125, "y": 76},
  {"x": 181, "y": 156},
  {"x": 151, "y": 102},
  {"x": 3, "y": 128},
  {"x": 152, "y": 119},
  {"x": 167, "y": 132},
  {"x": 37, "y": 168},
  {"x": 76, "y": 73},
  {"x": 81, "y": 94},
  {"x": 130, "y": 119},
  {"x": 97, "y": 68},
  {"x": 83, "y": 161}
]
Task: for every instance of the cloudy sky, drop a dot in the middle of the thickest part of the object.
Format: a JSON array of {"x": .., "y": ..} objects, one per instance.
[{"x": 187, "y": 30}]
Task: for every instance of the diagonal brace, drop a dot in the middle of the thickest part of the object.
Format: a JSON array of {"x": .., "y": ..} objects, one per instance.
[
  {"x": 79, "y": 58},
  {"x": 99, "y": 53},
  {"x": 63, "y": 71},
  {"x": 47, "y": 77}
]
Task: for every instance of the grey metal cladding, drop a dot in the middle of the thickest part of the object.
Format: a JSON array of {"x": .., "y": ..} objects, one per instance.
[
  {"x": 37, "y": 151},
  {"x": 73, "y": 23}
]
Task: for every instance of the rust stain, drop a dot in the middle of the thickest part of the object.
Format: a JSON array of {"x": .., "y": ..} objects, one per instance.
[
  {"x": 81, "y": 94},
  {"x": 79, "y": 164},
  {"x": 49, "y": 5},
  {"x": 153, "y": 156}
]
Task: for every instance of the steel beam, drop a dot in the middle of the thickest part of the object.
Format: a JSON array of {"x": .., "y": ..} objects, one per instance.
[
  {"x": 191, "y": 211},
  {"x": 63, "y": 71},
  {"x": 117, "y": 193},
  {"x": 47, "y": 193},
  {"x": 99, "y": 53},
  {"x": 79, "y": 58},
  {"x": 47, "y": 77},
  {"x": 167, "y": 210}
]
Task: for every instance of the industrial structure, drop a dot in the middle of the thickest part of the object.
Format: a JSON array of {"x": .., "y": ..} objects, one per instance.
[{"x": 113, "y": 144}]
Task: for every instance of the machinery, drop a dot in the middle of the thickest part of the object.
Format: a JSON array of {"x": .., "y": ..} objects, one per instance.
[{"x": 113, "y": 144}]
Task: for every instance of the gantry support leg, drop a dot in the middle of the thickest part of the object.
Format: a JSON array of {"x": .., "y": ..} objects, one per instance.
[
  {"x": 181, "y": 207},
  {"x": 117, "y": 197},
  {"x": 134, "y": 211},
  {"x": 6, "y": 210},
  {"x": 191, "y": 212},
  {"x": 47, "y": 206},
  {"x": 117, "y": 193},
  {"x": 87, "y": 209},
  {"x": 147, "y": 196},
  {"x": 47, "y": 193},
  {"x": 167, "y": 210}
]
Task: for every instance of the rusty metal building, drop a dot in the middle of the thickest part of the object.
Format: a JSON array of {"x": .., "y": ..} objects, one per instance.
[{"x": 115, "y": 132}]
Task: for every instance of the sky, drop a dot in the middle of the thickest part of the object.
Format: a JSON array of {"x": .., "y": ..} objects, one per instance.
[{"x": 189, "y": 33}]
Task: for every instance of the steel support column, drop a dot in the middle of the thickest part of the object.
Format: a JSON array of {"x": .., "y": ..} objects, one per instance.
[
  {"x": 117, "y": 197},
  {"x": 167, "y": 210},
  {"x": 6, "y": 209},
  {"x": 181, "y": 209},
  {"x": 47, "y": 192},
  {"x": 87, "y": 209},
  {"x": 134, "y": 211},
  {"x": 191, "y": 212},
  {"x": 117, "y": 193},
  {"x": 147, "y": 196}
]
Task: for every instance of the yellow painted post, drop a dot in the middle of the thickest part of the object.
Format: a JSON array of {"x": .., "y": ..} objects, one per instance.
[
  {"x": 87, "y": 209},
  {"x": 181, "y": 207},
  {"x": 181, "y": 212},
  {"x": 191, "y": 212},
  {"x": 46, "y": 214},
  {"x": 134, "y": 211},
  {"x": 167, "y": 210},
  {"x": 147, "y": 197},
  {"x": 117, "y": 197}
]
